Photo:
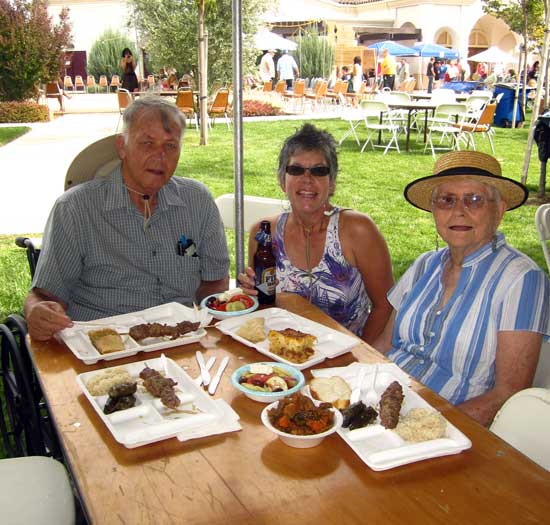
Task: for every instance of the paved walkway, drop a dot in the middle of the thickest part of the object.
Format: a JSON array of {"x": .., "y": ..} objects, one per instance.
[{"x": 34, "y": 166}]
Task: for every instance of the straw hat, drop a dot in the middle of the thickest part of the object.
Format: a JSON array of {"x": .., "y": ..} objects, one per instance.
[
  {"x": 458, "y": 166},
  {"x": 97, "y": 160}
]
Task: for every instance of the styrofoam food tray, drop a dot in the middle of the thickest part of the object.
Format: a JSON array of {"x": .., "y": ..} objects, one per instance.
[
  {"x": 382, "y": 449},
  {"x": 330, "y": 343},
  {"x": 76, "y": 337},
  {"x": 149, "y": 420}
]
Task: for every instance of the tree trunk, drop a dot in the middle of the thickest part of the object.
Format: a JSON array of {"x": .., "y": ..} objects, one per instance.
[
  {"x": 203, "y": 90},
  {"x": 535, "y": 114}
]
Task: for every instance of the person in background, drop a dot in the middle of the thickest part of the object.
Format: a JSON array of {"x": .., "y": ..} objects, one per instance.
[
  {"x": 267, "y": 66},
  {"x": 430, "y": 73},
  {"x": 388, "y": 69},
  {"x": 115, "y": 244},
  {"x": 403, "y": 72},
  {"x": 468, "y": 320},
  {"x": 452, "y": 71},
  {"x": 357, "y": 74},
  {"x": 533, "y": 72},
  {"x": 510, "y": 76},
  {"x": 442, "y": 72},
  {"x": 128, "y": 66},
  {"x": 287, "y": 68},
  {"x": 334, "y": 257}
]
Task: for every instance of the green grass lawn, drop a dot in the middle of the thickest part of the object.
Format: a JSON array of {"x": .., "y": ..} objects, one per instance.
[{"x": 8, "y": 134}]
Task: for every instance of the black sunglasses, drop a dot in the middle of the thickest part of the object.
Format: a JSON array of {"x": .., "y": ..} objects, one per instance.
[{"x": 316, "y": 171}]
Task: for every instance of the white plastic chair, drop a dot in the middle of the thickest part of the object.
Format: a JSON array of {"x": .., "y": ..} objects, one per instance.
[
  {"x": 447, "y": 121},
  {"x": 443, "y": 96},
  {"x": 35, "y": 489},
  {"x": 255, "y": 209},
  {"x": 353, "y": 116},
  {"x": 542, "y": 220},
  {"x": 524, "y": 422},
  {"x": 378, "y": 119}
]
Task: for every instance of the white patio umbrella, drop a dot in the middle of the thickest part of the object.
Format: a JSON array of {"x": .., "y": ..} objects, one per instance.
[
  {"x": 265, "y": 39},
  {"x": 493, "y": 55}
]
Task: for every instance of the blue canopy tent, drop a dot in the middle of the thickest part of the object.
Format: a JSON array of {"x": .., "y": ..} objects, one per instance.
[
  {"x": 435, "y": 50},
  {"x": 394, "y": 48}
]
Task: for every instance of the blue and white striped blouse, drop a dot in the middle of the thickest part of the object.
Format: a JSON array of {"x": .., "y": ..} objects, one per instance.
[{"x": 452, "y": 349}]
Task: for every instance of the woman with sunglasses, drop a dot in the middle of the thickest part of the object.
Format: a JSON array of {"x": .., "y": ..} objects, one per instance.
[
  {"x": 469, "y": 319},
  {"x": 334, "y": 257}
]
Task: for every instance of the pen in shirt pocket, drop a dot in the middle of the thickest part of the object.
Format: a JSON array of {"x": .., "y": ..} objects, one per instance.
[{"x": 187, "y": 247}]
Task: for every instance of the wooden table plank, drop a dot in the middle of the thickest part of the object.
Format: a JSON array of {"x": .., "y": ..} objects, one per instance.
[{"x": 252, "y": 477}]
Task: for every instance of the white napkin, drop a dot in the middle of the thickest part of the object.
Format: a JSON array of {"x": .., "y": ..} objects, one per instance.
[
  {"x": 227, "y": 422},
  {"x": 349, "y": 373}
]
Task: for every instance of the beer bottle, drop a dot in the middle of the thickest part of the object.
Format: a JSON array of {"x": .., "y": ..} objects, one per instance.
[{"x": 264, "y": 265}]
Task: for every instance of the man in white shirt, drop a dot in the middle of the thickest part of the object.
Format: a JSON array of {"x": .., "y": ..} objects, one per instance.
[
  {"x": 267, "y": 66},
  {"x": 287, "y": 67}
]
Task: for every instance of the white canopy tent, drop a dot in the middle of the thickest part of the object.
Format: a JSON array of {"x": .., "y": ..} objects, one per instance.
[
  {"x": 265, "y": 39},
  {"x": 493, "y": 55}
]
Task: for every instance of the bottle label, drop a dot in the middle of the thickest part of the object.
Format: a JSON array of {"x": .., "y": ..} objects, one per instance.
[{"x": 266, "y": 279}]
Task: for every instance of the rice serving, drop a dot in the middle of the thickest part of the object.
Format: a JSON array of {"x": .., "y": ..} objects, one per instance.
[
  {"x": 100, "y": 384},
  {"x": 421, "y": 424}
]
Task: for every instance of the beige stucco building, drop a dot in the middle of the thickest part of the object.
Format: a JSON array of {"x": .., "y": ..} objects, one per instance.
[{"x": 460, "y": 24}]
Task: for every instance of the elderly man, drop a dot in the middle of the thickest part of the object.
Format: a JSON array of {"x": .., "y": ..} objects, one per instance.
[{"x": 132, "y": 240}]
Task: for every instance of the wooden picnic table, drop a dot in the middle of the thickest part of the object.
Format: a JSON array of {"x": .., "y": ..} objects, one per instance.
[{"x": 251, "y": 477}]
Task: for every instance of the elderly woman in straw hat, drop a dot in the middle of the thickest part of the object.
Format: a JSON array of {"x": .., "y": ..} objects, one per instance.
[{"x": 468, "y": 320}]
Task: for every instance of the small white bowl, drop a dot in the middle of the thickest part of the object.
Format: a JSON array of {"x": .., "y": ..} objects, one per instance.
[
  {"x": 268, "y": 397},
  {"x": 218, "y": 314},
  {"x": 301, "y": 441}
]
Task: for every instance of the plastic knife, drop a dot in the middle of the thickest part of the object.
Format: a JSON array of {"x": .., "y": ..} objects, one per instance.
[
  {"x": 209, "y": 365},
  {"x": 204, "y": 371},
  {"x": 217, "y": 377}
]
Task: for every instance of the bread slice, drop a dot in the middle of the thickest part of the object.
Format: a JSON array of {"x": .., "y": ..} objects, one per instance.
[{"x": 332, "y": 390}]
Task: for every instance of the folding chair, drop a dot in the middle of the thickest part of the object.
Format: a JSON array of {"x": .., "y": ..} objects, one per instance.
[
  {"x": 267, "y": 87},
  {"x": 36, "y": 490},
  {"x": 79, "y": 84},
  {"x": 54, "y": 91},
  {"x": 90, "y": 83},
  {"x": 354, "y": 116},
  {"x": 68, "y": 83},
  {"x": 447, "y": 121},
  {"x": 542, "y": 221},
  {"x": 220, "y": 107},
  {"x": 524, "y": 422},
  {"x": 378, "y": 119},
  {"x": 482, "y": 125},
  {"x": 297, "y": 94},
  {"x": 184, "y": 102},
  {"x": 103, "y": 82},
  {"x": 124, "y": 98},
  {"x": 115, "y": 82}
]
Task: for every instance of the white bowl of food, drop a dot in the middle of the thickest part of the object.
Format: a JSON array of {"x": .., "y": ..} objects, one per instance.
[
  {"x": 231, "y": 303},
  {"x": 327, "y": 420},
  {"x": 267, "y": 382}
]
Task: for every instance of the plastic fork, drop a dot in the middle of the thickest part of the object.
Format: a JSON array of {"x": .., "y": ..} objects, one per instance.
[
  {"x": 356, "y": 392},
  {"x": 372, "y": 396}
]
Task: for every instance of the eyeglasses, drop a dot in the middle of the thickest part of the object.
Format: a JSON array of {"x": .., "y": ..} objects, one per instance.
[
  {"x": 472, "y": 201},
  {"x": 316, "y": 171}
]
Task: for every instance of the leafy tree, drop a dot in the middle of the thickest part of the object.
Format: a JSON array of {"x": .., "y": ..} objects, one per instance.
[
  {"x": 31, "y": 47},
  {"x": 525, "y": 17},
  {"x": 315, "y": 54},
  {"x": 106, "y": 52},
  {"x": 169, "y": 31}
]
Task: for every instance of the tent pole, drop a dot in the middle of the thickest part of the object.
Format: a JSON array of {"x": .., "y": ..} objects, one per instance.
[{"x": 238, "y": 135}]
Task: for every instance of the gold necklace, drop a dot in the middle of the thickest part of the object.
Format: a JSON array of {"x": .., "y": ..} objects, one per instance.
[{"x": 307, "y": 234}]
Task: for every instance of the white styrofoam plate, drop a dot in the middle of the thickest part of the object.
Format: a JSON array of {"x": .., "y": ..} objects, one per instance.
[
  {"x": 150, "y": 421},
  {"x": 382, "y": 449},
  {"x": 76, "y": 337},
  {"x": 330, "y": 343}
]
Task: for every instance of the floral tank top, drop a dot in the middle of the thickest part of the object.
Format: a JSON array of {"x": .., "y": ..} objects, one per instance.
[{"x": 333, "y": 285}]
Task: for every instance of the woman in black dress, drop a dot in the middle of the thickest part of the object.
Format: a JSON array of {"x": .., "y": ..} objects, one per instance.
[{"x": 128, "y": 65}]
